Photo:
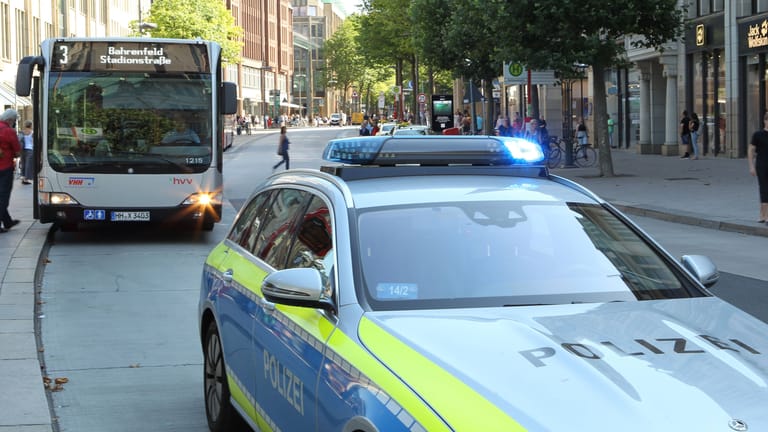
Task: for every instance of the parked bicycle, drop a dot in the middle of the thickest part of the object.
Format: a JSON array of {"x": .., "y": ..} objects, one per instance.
[{"x": 584, "y": 155}]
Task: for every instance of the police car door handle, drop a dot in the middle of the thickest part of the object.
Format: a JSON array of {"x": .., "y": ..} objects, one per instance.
[{"x": 227, "y": 275}]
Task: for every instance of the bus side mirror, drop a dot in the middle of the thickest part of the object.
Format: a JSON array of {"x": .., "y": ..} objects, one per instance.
[
  {"x": 228, "y": 98},
  {"x": 24, "y": 74}
]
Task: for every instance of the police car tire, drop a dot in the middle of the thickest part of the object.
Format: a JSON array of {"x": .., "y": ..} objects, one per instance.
[{"x": 215, "y": 386}]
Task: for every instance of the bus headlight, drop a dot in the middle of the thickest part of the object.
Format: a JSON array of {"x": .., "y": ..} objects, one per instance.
[
  {"x": 56, "y": 198},
  {"x": 203, "y": 199}
]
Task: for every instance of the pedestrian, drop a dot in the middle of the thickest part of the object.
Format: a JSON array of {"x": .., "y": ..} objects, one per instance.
[
  {"x": 517, "y": 125},
  {"x": 282, "y": 149},
  {"x": 538, "y": 135},
  {"x": 694, "y": 127},
  {"x": 610, "y": 131},
  {"x": 499, "y": 121},
  {"x": 27, "y": 159},
  {"x": 505, "y": 129},
  {"x": 466, "y": 123},
  {"x": 581, "y": 133},
  {"x": 9, "y": 149},
  {"x": 685, "y": 135},
  {"x": 757, "y": 158}
]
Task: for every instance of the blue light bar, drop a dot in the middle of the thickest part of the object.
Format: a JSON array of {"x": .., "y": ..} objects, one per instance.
[{"x": 433, "y": 150}]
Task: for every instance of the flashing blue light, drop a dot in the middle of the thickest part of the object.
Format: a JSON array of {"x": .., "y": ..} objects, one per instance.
[
  {"x": 433, "y": 150},
  {"x": 523, "y": 150}
]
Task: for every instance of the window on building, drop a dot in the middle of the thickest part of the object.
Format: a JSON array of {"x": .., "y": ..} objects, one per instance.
[
  {"x": 718, "y": 5},
  {"x": 22, "y": 30},
  {"x": 762, "y": 6},
  {"x": 743, "y": 8},
  {"x": 5, "y": 31}
]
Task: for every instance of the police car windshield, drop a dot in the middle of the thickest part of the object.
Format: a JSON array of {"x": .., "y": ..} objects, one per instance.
[{"x": 505, "y": 254}]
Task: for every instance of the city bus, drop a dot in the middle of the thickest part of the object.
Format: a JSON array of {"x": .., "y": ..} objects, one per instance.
[{"x": 107, "y": 116}]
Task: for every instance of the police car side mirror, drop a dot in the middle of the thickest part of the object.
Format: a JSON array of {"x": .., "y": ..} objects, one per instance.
[
  {"x": 702, "y": 268},
  {"x": 296, "y": 287}
]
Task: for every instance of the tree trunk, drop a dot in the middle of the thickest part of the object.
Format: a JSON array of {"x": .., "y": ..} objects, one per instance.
[
  {"x": 600, "y": 107},
  {"x": 489, "y": 123}
]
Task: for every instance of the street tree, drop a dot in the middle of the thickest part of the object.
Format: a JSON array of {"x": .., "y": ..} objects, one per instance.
[
  {"x": 190, "y": 19},
  {"x": 386, "y": 37},
  {"x": 557, "y": 34},
  {"x": 344, "y": 65},
  {"x": 460, "y": 36}
]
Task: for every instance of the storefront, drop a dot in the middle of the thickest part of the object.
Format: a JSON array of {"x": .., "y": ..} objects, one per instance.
[
  {"x": 705, "y": 82},
  {"x": 753, "y": 48}
]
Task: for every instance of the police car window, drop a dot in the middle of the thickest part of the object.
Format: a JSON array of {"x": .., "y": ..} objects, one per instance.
[
  {"x": 313, "y": 245},
  {"x": 508, "y": 253},
  {"x": 247, "y": 226},
  {"x": 274, "y": 239}
]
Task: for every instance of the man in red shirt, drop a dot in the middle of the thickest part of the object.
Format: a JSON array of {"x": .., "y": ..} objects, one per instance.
[{"x": 9, "y": 149}]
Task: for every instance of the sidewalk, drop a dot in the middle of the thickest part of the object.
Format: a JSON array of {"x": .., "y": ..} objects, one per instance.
[
  {"x": 23, "y": 401},
  {"x": 712, "y": 192}
]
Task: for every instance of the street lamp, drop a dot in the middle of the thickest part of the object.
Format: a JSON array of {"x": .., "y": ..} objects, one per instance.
[
  {"x": 581, "y": 67},
  {"x": 303, "y": 80},
  {"x": 264, "y": 104}
]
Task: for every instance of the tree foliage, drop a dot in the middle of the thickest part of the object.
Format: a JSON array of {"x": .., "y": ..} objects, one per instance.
[
  {"x": 556, "y": 34},
  {"x": 460, "y": 36},
  {"x": 205, "y": 19}
]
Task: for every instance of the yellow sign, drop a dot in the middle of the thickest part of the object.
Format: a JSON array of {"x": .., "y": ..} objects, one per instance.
[
  {"x": 515, "y": 69},
  {"x": 757, "y": 35},
  {"x": 701, "y": 35}
]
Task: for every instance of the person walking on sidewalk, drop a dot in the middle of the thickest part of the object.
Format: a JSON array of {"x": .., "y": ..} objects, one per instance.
[
  {"x": 611, "y": 124},
  {"x": 757, "y": 158},
  {"x": 9, "y": 149},
  {"x": 694, "y": 127},
  {"x": 685, "y": 135},
  {"x": 282, "y": 149},
  {"x": 27, "y": 159}
]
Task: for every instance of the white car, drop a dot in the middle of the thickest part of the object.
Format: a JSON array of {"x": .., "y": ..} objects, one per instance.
[
  {"x": 413, "y": 130},
  {"x": 387, "y": 129},
  {"x": 335, "y": 119}
]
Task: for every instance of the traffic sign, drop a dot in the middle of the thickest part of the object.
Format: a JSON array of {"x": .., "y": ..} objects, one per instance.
[
  {"x": 515, "y": 69},
  {"x": 354, "y": 94},
  {"x": 422, "y": 98}
]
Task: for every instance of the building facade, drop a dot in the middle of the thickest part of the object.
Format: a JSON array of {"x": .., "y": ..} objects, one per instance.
[
  {"x": 717, "y": 71},
  {"x": 25, "y": 23}
]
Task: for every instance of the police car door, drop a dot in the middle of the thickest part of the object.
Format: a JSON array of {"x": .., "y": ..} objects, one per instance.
[
  {"x": 288, "y": 340},
  {"x": 236, "y": 300}
]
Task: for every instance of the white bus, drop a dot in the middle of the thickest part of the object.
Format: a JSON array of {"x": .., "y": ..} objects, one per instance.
[{"x": 127, "y": 130}]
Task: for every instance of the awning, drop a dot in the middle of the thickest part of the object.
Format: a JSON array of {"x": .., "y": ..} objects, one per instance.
[
  {"x": 8, "y": 96},
  {"x": 290, "y": 105}
]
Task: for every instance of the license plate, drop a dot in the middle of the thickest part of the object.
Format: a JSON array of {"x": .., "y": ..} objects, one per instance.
[{"x": 129, "y": 216}]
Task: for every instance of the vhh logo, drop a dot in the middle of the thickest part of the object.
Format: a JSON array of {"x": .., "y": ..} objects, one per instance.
[
  {"x": 80, "y": 181},
  {"x": 180, "y": 181}
]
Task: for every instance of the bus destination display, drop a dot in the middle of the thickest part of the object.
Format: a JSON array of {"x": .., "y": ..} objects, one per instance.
[{"x": 72, "y": 56}]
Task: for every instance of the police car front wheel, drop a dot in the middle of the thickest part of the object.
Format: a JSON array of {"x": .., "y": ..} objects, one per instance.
[{"x": 219, "y": 411}]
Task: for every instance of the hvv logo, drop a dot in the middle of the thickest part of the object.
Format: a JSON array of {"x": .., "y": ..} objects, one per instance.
[
  {"x": 181, "y": 181},
  {"x": 81, "y": 181}
]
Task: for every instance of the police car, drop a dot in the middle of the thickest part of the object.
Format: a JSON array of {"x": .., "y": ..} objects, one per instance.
[{"x": 451, "y": 283}]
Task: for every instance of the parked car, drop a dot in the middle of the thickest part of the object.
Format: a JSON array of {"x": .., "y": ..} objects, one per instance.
[
  {"x": 413, "y": 130},
  {"x": 335, "y": 119},
  {"x": 452, "y": 283},
  {"x": 387, "y": 128}
]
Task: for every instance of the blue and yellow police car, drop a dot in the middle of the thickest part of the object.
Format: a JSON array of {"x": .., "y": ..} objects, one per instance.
[{"x": 452, "y": 283}]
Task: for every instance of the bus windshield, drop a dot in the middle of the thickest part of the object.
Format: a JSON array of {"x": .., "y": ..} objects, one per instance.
[{"x": 129, "y": 122}]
